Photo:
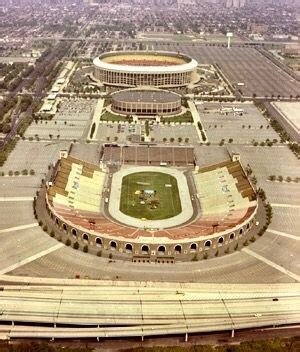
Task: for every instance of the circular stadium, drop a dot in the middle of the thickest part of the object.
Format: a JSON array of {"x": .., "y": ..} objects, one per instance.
[
  {"x": 146, "y": 102},
  {"x": 151, "y": 204},
  {"x": 143, "y": 68}
]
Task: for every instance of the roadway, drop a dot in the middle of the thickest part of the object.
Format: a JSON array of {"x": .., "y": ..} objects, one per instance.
[
  {"x": 86, "y": 309},
  {"x": 37, "y": 96}
]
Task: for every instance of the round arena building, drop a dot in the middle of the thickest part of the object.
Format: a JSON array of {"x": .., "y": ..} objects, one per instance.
[
  {"x": 143, "y": 68},
  {"x": 146, "y": 102}
]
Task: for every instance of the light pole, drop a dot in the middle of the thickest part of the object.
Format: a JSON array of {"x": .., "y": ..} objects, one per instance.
[{"x": 229, "y": 35}]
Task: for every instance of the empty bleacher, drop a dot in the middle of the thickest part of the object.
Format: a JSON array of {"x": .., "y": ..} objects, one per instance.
[
  {"x": 225, "y": 194},
  {"x": 78, "y": 185}
]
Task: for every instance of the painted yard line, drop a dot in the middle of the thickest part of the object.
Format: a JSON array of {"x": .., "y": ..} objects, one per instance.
[
  {"x": 272, "y": 264},
  {"x": 31, "y": 259},
  {"x": 284, "y": 234},
  {"x": 16, "y": 199},
  {"x": 18, "y": 228},
  {"x": 285, "y": 205}
]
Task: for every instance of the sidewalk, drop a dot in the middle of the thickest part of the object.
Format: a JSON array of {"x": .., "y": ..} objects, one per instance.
[
  {"x": 196, "y": 118},
  {"x": 96, "y": 118}
]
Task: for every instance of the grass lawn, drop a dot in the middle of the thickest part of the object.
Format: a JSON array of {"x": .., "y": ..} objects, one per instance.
[
  {"x": 109, "y": 116},
  {"x": 186, "y": 117},
  {"x": 164, "y": 204}
]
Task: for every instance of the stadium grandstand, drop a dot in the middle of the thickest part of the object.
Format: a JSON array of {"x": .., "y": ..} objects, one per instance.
[
  {"x": 147, "y": 155},
  {"x": 223, "y": 200}
]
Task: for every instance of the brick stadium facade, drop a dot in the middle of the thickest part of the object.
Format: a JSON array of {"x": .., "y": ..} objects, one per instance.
[
  {"x": 133, "y": 69},
  {"x": 142, "y": 102}
]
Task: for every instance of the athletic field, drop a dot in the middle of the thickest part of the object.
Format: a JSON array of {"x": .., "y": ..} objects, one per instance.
[{"x": 150, "y": 196}]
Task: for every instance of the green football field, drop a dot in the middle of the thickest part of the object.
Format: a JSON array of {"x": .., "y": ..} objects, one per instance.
[{"x": 144, "y": 195}]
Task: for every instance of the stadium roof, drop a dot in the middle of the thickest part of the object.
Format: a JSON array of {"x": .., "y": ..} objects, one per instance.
[{"x": 190, "y": 65}]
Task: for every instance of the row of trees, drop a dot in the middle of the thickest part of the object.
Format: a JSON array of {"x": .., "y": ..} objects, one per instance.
[
  {"x": 7, "y": 105},
  {"x": 24, "y": 172},
  {"x": 281, "y": 178}
]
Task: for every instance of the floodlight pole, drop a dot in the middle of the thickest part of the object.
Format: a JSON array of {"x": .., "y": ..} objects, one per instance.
[
  {"x": 229, "y": 36},
  {"x": 228, "y": 43}
]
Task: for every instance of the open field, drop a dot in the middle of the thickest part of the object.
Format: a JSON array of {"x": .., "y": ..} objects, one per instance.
[{"x": 164, "y": 204}]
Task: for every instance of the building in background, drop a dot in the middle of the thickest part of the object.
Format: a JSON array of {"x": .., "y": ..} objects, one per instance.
[{"x": 235, "y": 3}]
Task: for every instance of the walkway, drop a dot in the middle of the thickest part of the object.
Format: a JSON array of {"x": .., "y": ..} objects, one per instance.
[
  {"x": 16, "y": 199},
  {"x": 96, "y": 119},
  {"x": 196, "y": 118},
  {"x": 284, "y": 234},
  {"x": 18, "y": 228},
  {"x": 285, "y": 205}
]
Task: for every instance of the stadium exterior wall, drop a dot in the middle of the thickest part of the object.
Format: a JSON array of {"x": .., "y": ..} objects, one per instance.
[
  {"x": 143, "y": 108},
  {"x": 134, "y": 249},
  {"x": 140, "y": 107},
  {"x": 156, "y": 76}
]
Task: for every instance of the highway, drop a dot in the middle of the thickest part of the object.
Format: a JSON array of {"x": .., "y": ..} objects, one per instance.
[{"x": 102, "y": 309}]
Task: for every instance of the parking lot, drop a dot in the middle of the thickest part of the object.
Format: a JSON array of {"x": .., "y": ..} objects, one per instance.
[
  {"x": 242, "y": 65},
  {"x": 174, "y": 134},
  {"x": 33, "y": 156},
  {"x": 276, "y": 160},
  {"x": 236, "y": 267},
  {"x": 72, "y": 121},
  {"x": 119, "y": 132},
  {"x": 242, "y": 127}
]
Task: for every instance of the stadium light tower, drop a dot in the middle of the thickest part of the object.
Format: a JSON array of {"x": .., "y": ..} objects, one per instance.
[{"x": 229, "y": 36}]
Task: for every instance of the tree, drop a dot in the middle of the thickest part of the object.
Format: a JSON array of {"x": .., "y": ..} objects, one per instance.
[
  {"x": 6, "y": 128},
  {"x": 272, "y": 178},
  {"x": 92, "y": 130}
]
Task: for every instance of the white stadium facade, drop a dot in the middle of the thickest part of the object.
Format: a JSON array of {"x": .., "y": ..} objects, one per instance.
[{"x": 142, "y": 68}]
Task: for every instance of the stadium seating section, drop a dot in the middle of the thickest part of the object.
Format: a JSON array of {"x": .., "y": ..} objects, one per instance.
[{"x": 225, "y": 194}]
